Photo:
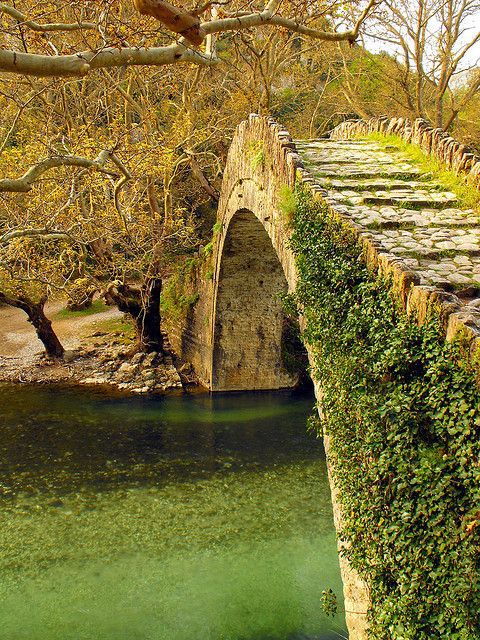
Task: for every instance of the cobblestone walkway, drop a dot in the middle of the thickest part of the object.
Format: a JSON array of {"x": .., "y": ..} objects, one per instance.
[{"x": 407, "y": 213}]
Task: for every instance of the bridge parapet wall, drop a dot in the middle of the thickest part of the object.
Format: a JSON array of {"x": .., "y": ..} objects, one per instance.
[{"x": 433, "y": 141}]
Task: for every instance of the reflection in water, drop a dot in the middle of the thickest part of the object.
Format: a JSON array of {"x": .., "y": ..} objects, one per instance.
[{"x": 179, "y": 518}]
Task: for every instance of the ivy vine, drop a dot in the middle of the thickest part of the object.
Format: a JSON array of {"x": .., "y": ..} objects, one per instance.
[{"x": 402, "y": 409}]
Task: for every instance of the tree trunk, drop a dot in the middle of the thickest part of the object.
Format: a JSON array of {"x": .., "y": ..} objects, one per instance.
[
  {"x": 143, "y": 306},
  {"x": 45, "y": 332},
  {"x": 42, "y": 325},
  {"x": 148, "y": 324},
  {"x": 439, "y": 111}
]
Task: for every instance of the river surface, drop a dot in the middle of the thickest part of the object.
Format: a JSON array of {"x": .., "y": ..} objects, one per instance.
[{"x": 178, "y": 518}]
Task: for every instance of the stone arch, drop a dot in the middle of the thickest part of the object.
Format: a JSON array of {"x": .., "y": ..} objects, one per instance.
[
  {"x": 248, "y": 315},
  {"x": 261, "y": 165},
  {"x": 252, "y": 262}
]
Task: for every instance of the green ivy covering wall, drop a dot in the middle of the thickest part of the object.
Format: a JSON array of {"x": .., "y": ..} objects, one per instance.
[{"x": 402, "y": 409}]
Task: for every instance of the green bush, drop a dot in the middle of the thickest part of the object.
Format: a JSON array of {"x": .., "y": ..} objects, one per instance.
[{"x": 402, "y": 409}]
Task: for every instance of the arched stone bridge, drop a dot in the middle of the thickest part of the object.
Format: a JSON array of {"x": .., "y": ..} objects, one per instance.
[
  {"x": 410, "y": 229},
  {"x": 408, "y": 224}
]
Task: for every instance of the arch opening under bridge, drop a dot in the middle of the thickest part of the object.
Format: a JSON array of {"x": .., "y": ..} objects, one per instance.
[{"x": 250, "y": 326}]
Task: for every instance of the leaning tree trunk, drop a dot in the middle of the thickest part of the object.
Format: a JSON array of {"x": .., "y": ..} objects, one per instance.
[
  {"x": 43, "y": 326},
  {"x": 143, "y": 306}
]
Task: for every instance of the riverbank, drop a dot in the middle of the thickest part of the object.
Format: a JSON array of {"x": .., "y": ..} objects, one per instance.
[{"x": 100, "y": 351}]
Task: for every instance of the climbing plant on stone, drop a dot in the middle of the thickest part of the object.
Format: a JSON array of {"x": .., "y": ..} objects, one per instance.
[{"x": 401, "y": 408}]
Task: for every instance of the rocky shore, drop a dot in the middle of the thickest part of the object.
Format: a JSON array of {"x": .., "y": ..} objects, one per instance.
[{"x": 108, "y": 365}]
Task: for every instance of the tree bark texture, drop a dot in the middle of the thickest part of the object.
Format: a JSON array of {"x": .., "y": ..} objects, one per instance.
[
  {"x": 43, "y": 326},
  {"x": 143, "y": 306}
]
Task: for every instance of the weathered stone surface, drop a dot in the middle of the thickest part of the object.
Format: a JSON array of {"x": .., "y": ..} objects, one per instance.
[
  {"x": 465, "y": 323},
  {"x": 355, "y": 590},
  {"x": 436, "y": 142},
  {"x": 411, "y": 219},
  {"x": 240, "y": 344},
  {"x": 249, "y": 313}
]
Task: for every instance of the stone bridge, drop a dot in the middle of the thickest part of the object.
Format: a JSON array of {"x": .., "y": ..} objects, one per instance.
[{"x": 410, "y": 228}]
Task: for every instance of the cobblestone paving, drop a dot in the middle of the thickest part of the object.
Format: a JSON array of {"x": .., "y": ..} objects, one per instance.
[{"x": 406, "y": 212}]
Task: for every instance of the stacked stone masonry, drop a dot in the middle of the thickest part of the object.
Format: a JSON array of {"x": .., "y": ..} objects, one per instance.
[{"x": 261, "y": 161}]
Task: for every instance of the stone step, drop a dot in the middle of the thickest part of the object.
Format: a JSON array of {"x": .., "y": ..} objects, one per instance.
[
  {"x": 400, "y": 200},
  {"x": 427, "y": 201},
  {"x": 433, "y": 253},
  {"x": 378, "y": 184},
  {"x": 367, "y": 171},
  {"x": 362, "y": 161},
  {"x": 321, "y": 153},
  {"x": 429, "y": 242},
  {"x": 353, "y": 156},
  {"x": 460, "y": 274},
  {"x": 326, "y": 144},
  {"x": 400, "y": 217}
]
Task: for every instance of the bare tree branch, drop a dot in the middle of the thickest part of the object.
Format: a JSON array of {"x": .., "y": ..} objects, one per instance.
[
  {"x": 25, "y": 183},
  {"x": 35, "y": 26},
  {"x": 175, "y": 19},
  {"x": 44, "y": 232},
  {"x": 268, "y": 17},
  {"x": 81, "y": 63}
]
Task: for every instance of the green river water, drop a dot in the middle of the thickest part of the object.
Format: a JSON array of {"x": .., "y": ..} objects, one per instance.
[{"x": 178, "y": 518}]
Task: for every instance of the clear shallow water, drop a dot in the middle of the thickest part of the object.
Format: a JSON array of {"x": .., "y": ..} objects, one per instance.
[{"x": 178, "y": 518}]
